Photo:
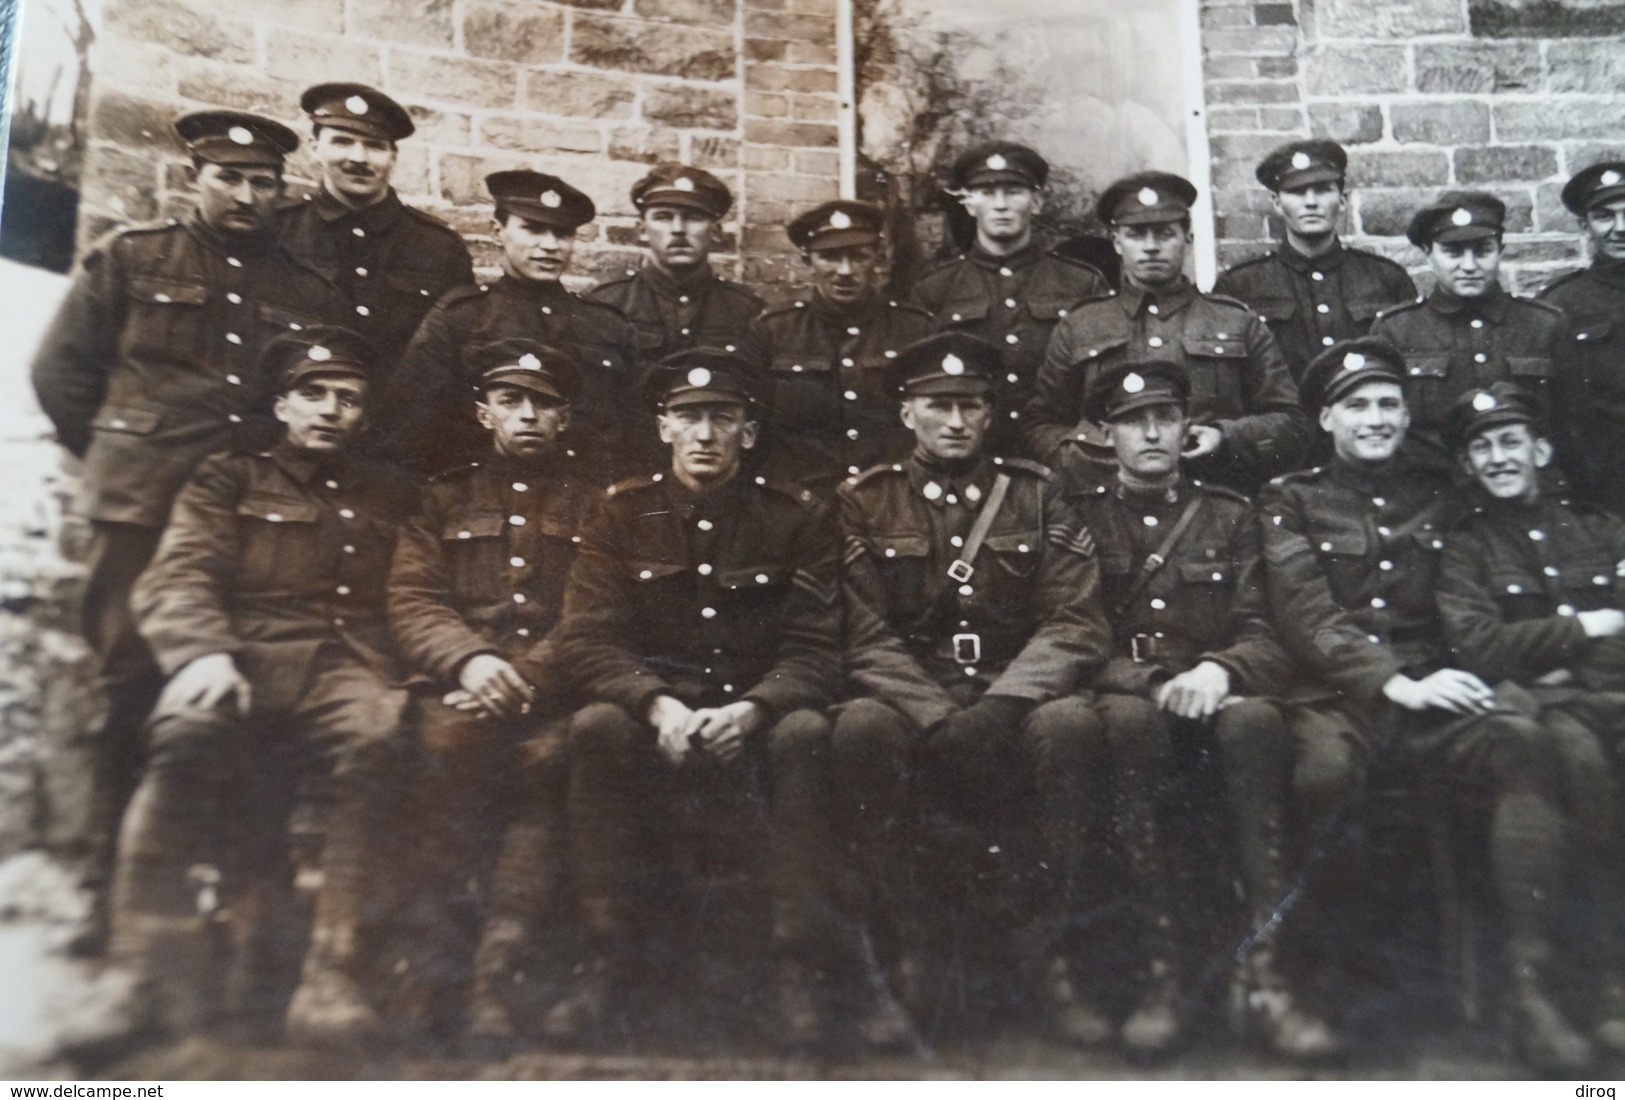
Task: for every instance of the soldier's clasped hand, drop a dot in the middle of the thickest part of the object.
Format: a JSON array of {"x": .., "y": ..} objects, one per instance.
[
  {"x": 1197, "y": 693},
  {"x": 207, "y": 682},
  {"x": 496, "y": 685},
  {"x": 1448, "y": 689}
]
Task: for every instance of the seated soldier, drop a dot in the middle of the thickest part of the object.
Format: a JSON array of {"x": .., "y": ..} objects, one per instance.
[
  {"x": 973, "y": 616},
  {"x": 1530, "y": 595},
  {"x": 478, "y": 579},
  {"x": 1351, "y": 554},
  {"x": 1193, "y": 652},
  {"x": 265, "y": 604},
  {"x": 702, "y": 619}
]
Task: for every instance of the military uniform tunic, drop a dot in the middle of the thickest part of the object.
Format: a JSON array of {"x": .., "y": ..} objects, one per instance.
[
  {"x": 709, "y": 312},
  {"x": 1012, "y": 302},
  {"x": 1312, "y": 302},
  {"x": 438, "y": 428},
  {"x": 1239, "y": 382},
  {"x": 1594, "y": 302},
  {"x": 831, "y": 413}
]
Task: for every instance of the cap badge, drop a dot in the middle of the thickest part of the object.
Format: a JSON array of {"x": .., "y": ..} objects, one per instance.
[
  {"x": 953, "y": 364},
  {"x": 1462, "y": 216},
  {"x": 1148, "y": 196},
  {"x": 699, "y": 376},
  {"x": 840, "y": 220},
  {"x": 528, "y": 361},
  {"x": 1609, "y": 178},
  {"x": 318, "y": 354},
  {"x": 1133, "y": 383},
  {"x": 551, "y": 199},
  {"x": 241, "y": 135},
  {"x": 1353, "y": 361},
  {"x": 997, "y": 162},
  {"x": 1484, "y": 402},
  {"x": 683, "y": 183},
  {"x": 357, "y": 105},
  {"x": 1301, "y": 160}
]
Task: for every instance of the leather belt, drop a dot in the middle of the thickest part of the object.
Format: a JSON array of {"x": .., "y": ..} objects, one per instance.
[{"x": 1159, "y": 647}]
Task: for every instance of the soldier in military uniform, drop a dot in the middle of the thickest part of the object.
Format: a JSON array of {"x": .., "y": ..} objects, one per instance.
[
  {"x": 1470, "y": 332},
  {"x": 1351, "y": 554},
  {"x": 702, "y": 618},
  {"x": 391, "y": 261},
  {"x": 974, "y": 618},
  {"x": 265, "y": 606},
  {"x": 150, "y": 365},
  {"x": 831, "y": 414},
  {"x": 536, "y": 220},
  {"x": 1193, "y": 655},
  {"x": 1532, "y": 599},
  {"x": 478, "y": 580},
  {"x": 1594, "y": 300},
  {"x": 1313, "y": 290},
  {"x": 675, "y": 300},
  {"x": 1008, "y": 288},
  {"x": 1246, "y": 424}
]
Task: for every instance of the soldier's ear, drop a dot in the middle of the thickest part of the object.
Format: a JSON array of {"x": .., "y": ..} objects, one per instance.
[
  {"x": 564, "y": 417},
  {"x": 748, "y": 433},
  {"x": 1038, "y": 201},
  {"x": 663, "y": 423},
  {"x": 1325, "y": 418},
  {"x": 482, "y": 413},
  {"x": 1543, "y": 452},
  {"x": 280, "y": 409},
  {"x": 905, "y": 411}
]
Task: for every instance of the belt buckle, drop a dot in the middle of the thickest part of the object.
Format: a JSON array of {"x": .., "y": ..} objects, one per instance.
[
  {"x": 961, "y": 570},
  {"x": 1140, "y": 646},
  {"x": 967, "y": 648}
]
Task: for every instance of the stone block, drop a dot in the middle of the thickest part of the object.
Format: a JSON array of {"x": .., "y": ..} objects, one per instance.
[
  {"x": 441, "y": 127},
  {"x": 459, "y": 81},
  {"x": 690, "y": 106},
  {"x": 814, "y": 108},
  {"x": 1232, "y": 120},
  {"x": 125, "y": 180},
  {"x": 576, "y": 94},
  {"x": 418, "y": 22},
  {"x": 609, "y": 42},
  {"x": 1477, "y": 67},
  {"x": 1381, "y": 19},
  {"x": 1440, "y": 122},
  {"x": 315, "y": 16},
  {"x": 461, "y": 176},
  {"x": 1357, "y": 70},
  {"x": 1240, "y": 227},
  {"x": 134, "y": 68},
  {"x": 1277, "y": 66},
  {"x": 1229, "y": 67},
  {"x": 1552, "y": 119},
  {"x": 411, "y": 175},
  {"x": 609, "y": 182},
  {"x": 1215, "y": 16},
  {"x": 1282, "y": 120},
  {"x": 1246, "y": 149},
  {"x": 1274, "y": 15},
  {"x": 688, "y": 11},
  {"x": 766, "y": 49},
  {"x": 783, "y": 78},
  {"x": 119, "y": 119},
  {"x": 1386, "y": 212},
  {"x": 526, "y": 33},
  {"x": 1243, "y": 200},
  {"x": 184, "y": 27},
  {"x": 1505, "y": 163},
  {"x": 600, "y": 5},
  {"x": 800, "y": 191},
  {"x": 1252, "y": 41},
  {"x": 1252, "y": 91},
  {"x": 712, "y": 152},
  {"x": 535, "y": 135},
  {"x": 1561, "y": 251},
  {"x": 767, "y": 105},
  {"x": 765, "y": 158},
  {"x": 817, "y": 162},
  {"x": 307, "y": 59},
  {"x": 231, "y": 86},
  {"x": 765, "y": 132},
  {"x": 1418, "y": 168},
  {"x": 1578, "y": 65},
  {"x": 1576, "y": 157},
  {"x": 790, "y": 27},
  {"x": 1348, "y": 123},
  {"x": 644, "y": 144},
  {"x": 810, "y": 53}
]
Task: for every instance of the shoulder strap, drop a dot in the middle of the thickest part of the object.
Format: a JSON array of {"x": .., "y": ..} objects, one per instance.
[
  {"x": 962, "y": 569},
  {"x": 1159, "y": 558}
]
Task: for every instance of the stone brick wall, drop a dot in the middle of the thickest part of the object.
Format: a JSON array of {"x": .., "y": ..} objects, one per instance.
[
  {"x": 1422, "y": 104},
  {"x": 591, "y": 90}
]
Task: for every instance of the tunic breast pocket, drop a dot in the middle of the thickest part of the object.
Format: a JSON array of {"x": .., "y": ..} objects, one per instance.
[
  {"x": 1530, "y": 371},
  {"x": 1343, "y": 557},
  {"x": 1207, "y": 589},
  {"x": 277, "y": 547},
  {"x": 1217, "y": 362},
  {"x": 472, "y": 545},
  {"x": 1427, "y": 387},
  {"x": 165, "y": 320},
  {"x": 1011, "y": 556}
]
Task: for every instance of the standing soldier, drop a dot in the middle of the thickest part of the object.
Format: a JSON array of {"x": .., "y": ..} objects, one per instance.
[
  {"x": 973, "y": 609},
  {"x": 1470, "y": 332},
  {"x": 703, "y": 619},
  {"x": 1594, "y": 300},
  {"x": 1193, "y": 654},
  {"x": 391, "y": 261},
  {"x": 1351, "y": 554},
  {"x": 1313, "y": 291},
  {"x": 1008, "y": 289},
  {"x": 1246, "y": 424},
  {"x": 265, "y": 606},
  {"x": 675, "y": 301},
  {"x": 536, "y": 220},
  {"x": 1532, "y": 597},
  {"x": 478, "y": 580},
  {"x": 832, "y": 416},
  {"x": 150, "y": 365}
]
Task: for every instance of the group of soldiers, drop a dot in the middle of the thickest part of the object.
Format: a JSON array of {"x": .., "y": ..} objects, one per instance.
[{"x": 536, "y": 590}]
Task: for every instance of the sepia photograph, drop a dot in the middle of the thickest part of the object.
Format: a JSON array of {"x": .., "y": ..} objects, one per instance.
[{"x": 789, "y": 540}]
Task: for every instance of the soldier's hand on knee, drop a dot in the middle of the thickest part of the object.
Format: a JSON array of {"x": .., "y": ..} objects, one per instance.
[
  {"x": 1196, "y": 693},
  {"x": 722, "y": 730},
  {"x": 1606, "y": 622},
  {"x": 673, "y": 721},
  {"x": 1448, "y": 689},
  {"x": 497, "y": 685},
  {"x": 206, "y": 682}
]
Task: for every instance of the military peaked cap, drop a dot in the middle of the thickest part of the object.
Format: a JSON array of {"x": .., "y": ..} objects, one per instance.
[
  {"x": 1136, "y": 384},
  {"x": 1346, "y": 365},
  {"x": 680, "y": 185},
  {"x": 1594, "y": 185},
  {"x": 999, "y": 162},
  {"x": 1478, "y": 409},
  {"x": 1146, "y": 197},
  {"x": 1300, "y": 163},
  {"x": 292, "y": 357},
  {"x": 702, "y": 375},
  {"x": 1458, "y": 216},
  {"x": 539, "y": 197},
  {"x": 947, "y": 363},
  {"x": 837, "y": 224},
  {"x": 236, "y": 137},
  {"x": 539, "y": 368},
  {"x": 359, "y": 109}
]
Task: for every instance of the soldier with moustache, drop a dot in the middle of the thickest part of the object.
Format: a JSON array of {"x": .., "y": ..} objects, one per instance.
[
  {"x": 1008, "y": 288},
  {"x": 1313, "y": 290},
  {"x": 1594, "y": 301},
  {"x": 151, "y": 364},
  {"x": 391, "y": 261},
  {"x": 1193, "y": 656},
  {"x": 827, "y": 355},
  {"x": 535, "y": 223},
  {"x": 1469, "y": 332},
  {"x": 264, "y": 604},
  {"x": 1532, "y": 598},
  {"x": 477, "y": 582},
  {"x": 1246, "y": 424},
  {"x": 973, "y": 621},
  {"x": 1351, "y": 553},
  {"x": 675, "y": 300}
]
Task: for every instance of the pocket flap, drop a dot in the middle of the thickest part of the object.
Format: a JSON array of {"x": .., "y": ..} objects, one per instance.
[
  {"x": 1595, "y": 332},
  {"x": 1051, "y": 307},
  {"x": 149, "y": 288},
  {"x": 797, "y": 364},
  {"x": 1344, "y": 542},
  {"x": 901, "y": 546},
  {"x": 133, "y": 421},
  {"x": 751, "y": 576},
  {"x": 1276, "y": 309},
  {"x": 277, "y": 509},
  {"x": 1537, "y": 366},
  {"x": 1019, "y": 543},
  {"x": 289, "y": 319},
  {"x": 1206, "y": 572},
  {"x": 472, "y": 527},
  {"x": 1227, "y": 345},
  {"x": 962, "y": 310},
  {"x": 1095, "y": 350},
  {"x": 1514, "y": 582},
  {"x": 1365, "y": 311},
  {"x": 653, "y": 570},
  {"x": 1429, "y": 366}
]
